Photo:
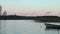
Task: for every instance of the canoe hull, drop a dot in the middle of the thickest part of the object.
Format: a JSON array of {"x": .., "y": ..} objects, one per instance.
[{"x": 52, "y": 26}]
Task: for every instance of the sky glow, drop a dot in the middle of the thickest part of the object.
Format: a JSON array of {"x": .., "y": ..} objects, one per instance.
[{"x": 31, "y": 7}]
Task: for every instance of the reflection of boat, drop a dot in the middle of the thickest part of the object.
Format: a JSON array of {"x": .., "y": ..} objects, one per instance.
[{"x": 52, "y": 26}]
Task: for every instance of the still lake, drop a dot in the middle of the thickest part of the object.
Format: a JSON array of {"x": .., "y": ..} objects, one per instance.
[{"x": 24, "y": 27}]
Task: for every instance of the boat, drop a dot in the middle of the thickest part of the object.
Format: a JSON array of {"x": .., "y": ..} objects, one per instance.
[{"x": 52, "y": 26}]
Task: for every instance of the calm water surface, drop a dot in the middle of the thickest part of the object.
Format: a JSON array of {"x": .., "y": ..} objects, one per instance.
[{"x": 24, "y": 27}]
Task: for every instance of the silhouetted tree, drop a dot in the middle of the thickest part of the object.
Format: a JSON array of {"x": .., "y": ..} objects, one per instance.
[
  {"x": 4, "y": 13},
  {"x": 0, "y": 10}
]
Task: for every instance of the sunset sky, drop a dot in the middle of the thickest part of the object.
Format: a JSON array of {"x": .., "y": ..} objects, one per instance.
[{"x": 31, "y": 7}]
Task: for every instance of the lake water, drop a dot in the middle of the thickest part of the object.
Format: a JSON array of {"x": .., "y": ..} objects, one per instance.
[{"x": 24, "y": 27}]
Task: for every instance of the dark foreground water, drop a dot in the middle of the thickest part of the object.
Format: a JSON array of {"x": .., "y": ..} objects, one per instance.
[{"x": 24, "y": 27}]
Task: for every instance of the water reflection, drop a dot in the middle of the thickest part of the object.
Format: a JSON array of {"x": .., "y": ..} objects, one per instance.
[
  {"x": 24, "y": 27},
  {"x": 52, "y": 31},
  {"x": 0, "y": 26}
]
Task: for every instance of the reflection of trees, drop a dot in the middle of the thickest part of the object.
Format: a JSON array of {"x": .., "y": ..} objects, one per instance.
[
  {"x": 0, "y": 26},
  {"x": 4, "y": 23}
]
